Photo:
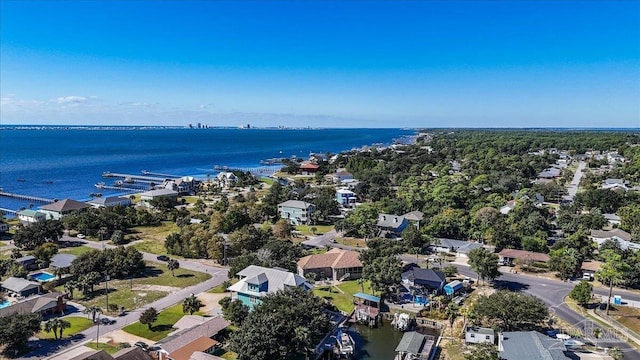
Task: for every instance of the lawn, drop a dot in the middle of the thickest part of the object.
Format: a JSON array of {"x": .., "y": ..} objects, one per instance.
[
  {"x": 320, "y": 229},
  {"x": 161, "y": 327},
  {"x": 222, "y": 288},
  {"x": 77, "y": 250},
  {"x": 151, "y": 246},
  {"x": 110, "y": 349},
  {"x": 156, "y": 234},
  {"x": 627, "y": 316},
  {"x": 351, "y": 287},
  {"x": 189, "y": 199},
  {"x": 78, "y": 324},
  {"x": 349, "y": 241},
  {"x": 159, "y": 274},
  {"x": 342, "y": 301}
]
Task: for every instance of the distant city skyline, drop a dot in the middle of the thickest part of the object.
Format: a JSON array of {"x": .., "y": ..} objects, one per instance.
[{"x": 515, "y": 64}]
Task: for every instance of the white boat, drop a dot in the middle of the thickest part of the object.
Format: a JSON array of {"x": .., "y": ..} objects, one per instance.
[{"x": 345, "y": 344}]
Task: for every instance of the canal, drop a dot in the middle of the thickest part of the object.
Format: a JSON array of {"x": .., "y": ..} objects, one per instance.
[{"x": 379, "y": 343}]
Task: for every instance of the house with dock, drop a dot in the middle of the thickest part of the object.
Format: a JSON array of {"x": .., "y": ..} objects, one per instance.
[
  {"x": 530, "y": 345},
  {"x": 425, "y": 281},
  {"x": 296, "y": 211},
  {"x": 257, "y": 282},
  {"x": 414, "y": 346},
  {"x": 62, "y": 208},
  {"x": 336, "y": 264},
  {"x": 28, "y": 217},
  {"x": 110, "y": 201}
]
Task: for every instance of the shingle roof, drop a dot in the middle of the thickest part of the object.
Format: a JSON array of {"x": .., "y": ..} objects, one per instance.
[
  {"x": 414, "y": 216},
  {"x": 591, "y": 265},
  {"x": 30, "y": 304},
  {"x": 198, "y": 355},
  {"x": 277, "y": 279},
  {"x": 531, "y": 345},
  {"x": 522, "y": 254},
  {"x": 26, "y": 258},
  {"x": 18, "y": 284},
  {"x": 159, "y": 192},
  {"x": 207, "y": 329},
  {"x": 459, "y": 245},
  {"x": 424, "y": 274},
  {"x": 605, "y": 234},
  {"x": 65, "y": 205},
  {"x": 390, "y": 221},
  {"x": 412, "y": 342},
  {"x": 334, "y": 258},
  {"x": 62, "y": 260},
  {"x": 200, "y": 344},
  {"x": 106, "y": 200},
  {"x": 132, "y": 353},
  {"x": 296, "y": 204}
]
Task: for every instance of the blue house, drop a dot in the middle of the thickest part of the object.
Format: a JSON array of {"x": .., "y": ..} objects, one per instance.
[
  {"x": 257, "y": 281},
  {"x": 424, "y": 281},
  {"x": 345, "y": 197},
  {"x": 391, "y": 225}
]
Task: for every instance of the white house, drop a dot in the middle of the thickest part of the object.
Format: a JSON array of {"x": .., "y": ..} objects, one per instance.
[
  {"x": 479, "y": 335},
  {"x": 623, "y": 238},
  {"x": 226, "y": 179},
  {"x": 62, "y": 208},
  {"x": 296, "y": 211},
  {"x": 156, "y": 194},
  {"x": 109, "y": 201}
]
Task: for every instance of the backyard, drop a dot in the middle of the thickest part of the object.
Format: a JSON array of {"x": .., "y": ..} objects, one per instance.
[
  {"x": 319, "y": 229},
  {"x": 342, "y": 295},
  {"x": 163, "y": 325}
]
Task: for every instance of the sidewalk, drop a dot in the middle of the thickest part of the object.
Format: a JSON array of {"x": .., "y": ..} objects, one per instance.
[{"x": 631, "y": 335}]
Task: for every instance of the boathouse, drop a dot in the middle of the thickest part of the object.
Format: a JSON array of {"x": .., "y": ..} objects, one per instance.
[
  {"x": 367, "y": 310},
  {"x": 414, "y": 346}
]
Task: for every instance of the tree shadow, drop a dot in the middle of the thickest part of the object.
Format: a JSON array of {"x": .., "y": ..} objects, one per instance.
[
  {"x": 509, "y": 285},
  {"x": 185, "y": 275},
  {"x": 161, "y": 327},
  {"x": 150, "y": 271}
]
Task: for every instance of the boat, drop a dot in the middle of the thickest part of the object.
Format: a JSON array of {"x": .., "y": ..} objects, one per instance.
[
  {"x": 100, "y": 185},
  {"x": 403, "y": 322},
  {"x": 345, "y": 345},
  {"x": 22, "y": 180}
]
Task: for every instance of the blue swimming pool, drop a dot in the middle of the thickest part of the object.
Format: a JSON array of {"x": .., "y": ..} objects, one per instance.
[
  {"x": 4, "y": 304},
  {"x": 43, "y": 276}
]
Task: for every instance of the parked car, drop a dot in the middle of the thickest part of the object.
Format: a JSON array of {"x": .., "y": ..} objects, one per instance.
[
  {"x": 106, "y": 321},
  {"x": 142, "y": 345},
  {"x": 80, "y": 236},
  {"x": 163, "y": 258}
]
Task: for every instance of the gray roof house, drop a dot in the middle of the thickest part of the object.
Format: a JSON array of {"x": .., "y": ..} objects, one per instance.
[
  {"x": 391, "y": 225},
  {"x": 461, "y": 247},
  {"x": 20, "y": 286},
  {"x": 426, "y": 279},
  {"x": 257, "y": 281},
  {"x": 623, "y": 238},
  {"x": 60, "y": 209},
  {"x": 62, "y": 261},
  {"x": 296, "y": 211},
  {"x": 50, "y": 303},
  {"x": 207, "y": 329},
  {"x": 28, "y": 262},
  {"x": 108, "y": 201},
  {"x": 414, "y": 345},
  {"x": 479, "y": 335},
  {"x": 530, "y": 345}
]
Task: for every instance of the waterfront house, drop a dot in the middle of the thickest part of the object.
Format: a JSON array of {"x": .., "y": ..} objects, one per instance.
[
  {"x": 159, "y": 193},
  {"x": 257, "y": 281},
  {"x": 109, "y": 201},
  {"x": 424, "y": 280},
  {"x": 308, "y": 168},
  {"x": 622, "y": 237},
  {"x": 29, "y": 216},
  {"x": 296, "y": 211},
  {"x": 51, "y": 303},
  {"x": 508, "y": 256},
  {"x": 226, "y": 179},
  {"x": 530, "y": 345},
  {"x": 414, "y": 345},
  {"x": 28, "y": 262},
  {"x": 341, "y": 175},
  {"x": 336, "y": 264},
  {"x": 346, "y": 198},
  {"x": 460, "y": 247},
  {"x": 200, "y": 338},
  {"x": 479, "y": 335},
  {"x": 391, "y": 225},
  {"x": 62, "y": 261},
  {"x": 62, "y": 208},
  {"x": 20, "y": 286}
]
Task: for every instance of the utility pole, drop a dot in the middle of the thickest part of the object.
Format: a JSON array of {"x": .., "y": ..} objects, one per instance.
[
  {"x": 106, "y": 278},
  {"x": 98, "y": 331}
]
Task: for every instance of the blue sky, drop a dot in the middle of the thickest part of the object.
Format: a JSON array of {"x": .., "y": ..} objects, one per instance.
[{"x": 321, "y": 63}]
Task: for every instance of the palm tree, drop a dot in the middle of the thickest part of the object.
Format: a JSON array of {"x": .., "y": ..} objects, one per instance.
[
  {"x": 597, "y": 334},
  {"x": 93, "y": 310},
  {"x": 191, "y": 304},
  {"x": 52, "y": 325},
  {"x": 360, "y": 281},
  {"x": 452, "y": 310},
  {"x": 82, "y": 284},
  {"x": 63, "y": 324},
  {"x": 172, "y": 265},
  {"x": 616, "y": 353},
  {"x": 69, "y": 287}
]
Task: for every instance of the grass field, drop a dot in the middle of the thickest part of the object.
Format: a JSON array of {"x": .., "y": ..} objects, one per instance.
[
  {"x": 78, "y": 324},
  {"x": 627, "y": 316},
  {"x": 349, "y": 241},
  {"x": 157, "y": 234},
  {"x": 351, "y": 287},
  {"x": 152, "y": 247},
  {"x": 343, "y": 302},
  {"x": 159, "y": 274},
  {"x": 110, "y": 349},
  {"x": 77, "y": 250},
  {"x": 320, "y": 229},
  {"x": 161, "y": 327}
]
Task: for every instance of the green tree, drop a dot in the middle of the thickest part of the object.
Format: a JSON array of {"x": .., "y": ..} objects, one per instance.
[
  {"x": 173, "y": 265},
  {"x": 484, "y": 351},
  {"x": 616, "y": 353},
  {"x": 234, "y": 311},
  {"x": 565, "y": 261},
  {"x": 148, "y": 317},
  {"x": 484, "y": 263},
  {"x": 282, "y": 229},
  {"x": 510, "y": 311},
  {"x": 52, "y": 326},
  {"x": 452, "y": 310},
  {"x": 382, "y": 272},
  {"x": 93, "y": 310},
  {"x": 597, "y": 334},
  {"x": 450, "y": 270},
  {"x": 63, "y": 324},
  {"x": 16, "y": 329},
  {"x": 612, "y": 271},
  {"x": 45, "y": 252},
  {"x": 581, "y": 292},
  {"x": 69, "y": 286},
  {"x": 117, "y": 238},
  {"x": 191, "y": 304}
]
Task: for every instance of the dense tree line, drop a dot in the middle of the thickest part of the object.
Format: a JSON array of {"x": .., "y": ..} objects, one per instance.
[
  {"x": 32, "y": 236},
  {"x": 118, "y": 263},
  {"x": 104, "y": 221}
]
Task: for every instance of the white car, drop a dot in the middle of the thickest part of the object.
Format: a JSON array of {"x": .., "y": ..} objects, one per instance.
[{"x": 80, "y": 236}]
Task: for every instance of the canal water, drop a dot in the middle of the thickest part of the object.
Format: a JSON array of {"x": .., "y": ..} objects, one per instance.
[{"x": 379, "y": 343}]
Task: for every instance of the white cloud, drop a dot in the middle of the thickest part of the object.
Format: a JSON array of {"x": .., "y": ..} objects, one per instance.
[{"x": 71, "y": 99}]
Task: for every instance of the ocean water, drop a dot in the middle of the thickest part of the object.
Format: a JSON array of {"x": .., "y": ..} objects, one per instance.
[{"x": 66, "y": 163}]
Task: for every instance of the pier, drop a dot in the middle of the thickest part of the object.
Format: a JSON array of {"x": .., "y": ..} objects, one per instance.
[
  {"x": 26, "y": 197},
  {"x": 149, "y": 173},
  {"x": 157, "y": 180},
  {"x": 8, "y": 211},
  {"x": 102, "y": 186}
]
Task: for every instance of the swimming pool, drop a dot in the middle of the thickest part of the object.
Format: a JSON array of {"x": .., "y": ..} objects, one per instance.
[
  {"x": 4, "y": 304},
  {"x": 43, "y": 276}
]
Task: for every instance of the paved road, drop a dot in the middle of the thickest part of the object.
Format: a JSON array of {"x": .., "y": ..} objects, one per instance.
[
  {"x": 218, "y": 275},
  {"x": 577, "y": 176}
]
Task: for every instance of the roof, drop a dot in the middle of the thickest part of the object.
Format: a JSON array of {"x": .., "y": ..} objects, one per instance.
[
  {"x": 18, "y": 284},
  {"x": 188, "y": 321},
  {"x": 480, "y": 330},
  {"x": 309, "y": 166},
  {"x": 614, "y": 181},
  {"x": 414, "y": 216},
  {"x": 65, "y": 205},
  {"x": 611, "y": 217},
  {"x": 62, "y": 260},
  {"x": 390, "y": 221},
  {"x": 109, "y": 200},
  {"x": 296, "y": 204},
  {"x": 591, "y": 265},
  {"x": 200, "y": 344},
  {"x": 31, "y": 304},
  {"x": 606, "y": 234},
  {"x": 367, "y": 297},
  {"x": 424, "y": 274},
  {"x": 459, "y": 245},
  {"x": 334, "y": 258},
  {"x": 455, "y": 284},
  {"x": 25, "y": 259},
  {"x": 30, "y": 213},
  {"x": 198, "y": 355},
  {"x": 132, "y": 353},
  {"x": 531, "y": 345},
  {"x": 411, "y": 342},
  {"x": 159, "y": 192},
  {"x": 522, "y": 254},
  {"x": 93, "y": 355},
  {"x": 276, "y": 279},
  {"x": 207, "y": 329}
]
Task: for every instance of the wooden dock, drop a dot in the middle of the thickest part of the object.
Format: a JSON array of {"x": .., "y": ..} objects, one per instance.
[
  {"x": 26, "y": 197},
  {"x": 8, "y": 211},
  {"x": 157, "y": 180},
  {"x": 168, "y": 176}
]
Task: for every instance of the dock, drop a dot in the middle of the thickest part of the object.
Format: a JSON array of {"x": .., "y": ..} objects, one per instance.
[
  {"x": 102, "y": 186},
  {"x": 157, "y": 180},
  {"x": 168, "y": 176},
  {"x": 26, "y": 197},
  {"x": 8, "y": 211}
]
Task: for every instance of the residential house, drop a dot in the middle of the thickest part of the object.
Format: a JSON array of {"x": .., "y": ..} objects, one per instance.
[
  {"x": 308, "y": 168},
  {"x": 341, "y": 175},
  {"x": 51, "y": 303},
  {"x": 20, "y": 286},
  {"x": 4, "y": 227},
  {"x": 460, "y": 247},
  {"x": 623, "y": 238},
  {"x": 62, "y": 261},
  {"x": 550, "y": 173},
  {"x": 589, "y": 268},
  {"x": 28, "y": 262},
  {"x": 479, "y": 335},
  {"x": 132, "y": 353},
  {"x": 198, "y": 355},
  {"x": 391, "y": 225},
  {"x": 29, "y": 216},
  {"x": 615, "y": 158},
  {"x": 508, "y": 207},
  {"x": 612, "y": 219},
  {"x": 346, "y": 197},
  {"x": 530, "y": 345},
  {"x": 226, "y": 179},
  {"x": 336, "y": 264},
  {"x": 509, "y": 256},
  {"x": 62, "y": 208},
  {"x": 199, "y": 338},
  {"x": 257, "y": 281},
  {"x": 92, "y": 355},
  {"x": 615, "y": 184},
  {"x": 414, "y": 345},
  {"x": 159, "y": 193},
  {"x": 110, "y": 201},
  {"x": 414, "y": 217},
  {"x": 424, "y": 280},
  {"x": 296, "y": 211}
]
